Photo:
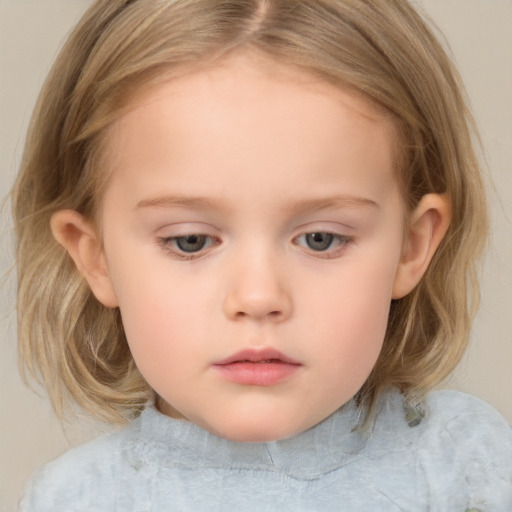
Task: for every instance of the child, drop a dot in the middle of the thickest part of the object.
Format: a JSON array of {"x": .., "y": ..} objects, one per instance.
[{"x": 250, "y": 228}]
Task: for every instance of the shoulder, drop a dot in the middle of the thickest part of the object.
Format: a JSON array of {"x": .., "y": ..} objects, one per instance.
[
  {"x": 81, "y": 477},
  {"x": 467, "y": 420},
  {"x": 453, "y": 452},
  {"x": 466, "y": 445},
  {"x": 442, "y": 416}
]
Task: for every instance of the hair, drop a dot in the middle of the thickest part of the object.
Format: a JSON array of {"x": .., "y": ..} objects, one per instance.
[{"x": 75, "y": 345}]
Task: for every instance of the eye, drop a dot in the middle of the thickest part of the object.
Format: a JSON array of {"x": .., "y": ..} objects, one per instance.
[
  {"x": 319, "y": 241},
  {"x": 191, "y": 243},
  {"x": 323, "y": 242},
  {"x": 187, "y": 246}
]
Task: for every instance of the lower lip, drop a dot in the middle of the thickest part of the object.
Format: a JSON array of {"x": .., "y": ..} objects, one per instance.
[{"x": 257, "y": 374}]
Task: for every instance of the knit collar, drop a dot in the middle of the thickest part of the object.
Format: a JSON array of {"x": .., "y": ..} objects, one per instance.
[{"x": 334, "y": 442}]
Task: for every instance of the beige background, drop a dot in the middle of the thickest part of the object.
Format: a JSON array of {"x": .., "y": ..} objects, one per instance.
[{"x": 479, "y": 34}]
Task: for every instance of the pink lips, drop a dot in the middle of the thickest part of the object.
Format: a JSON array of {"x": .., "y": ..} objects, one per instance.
[{"x": 257, "y": 367}]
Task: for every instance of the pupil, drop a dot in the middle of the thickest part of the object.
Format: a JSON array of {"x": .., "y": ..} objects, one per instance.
[
  {"x": 191, "y": 243},
  {"x": 319, "y": 241}
]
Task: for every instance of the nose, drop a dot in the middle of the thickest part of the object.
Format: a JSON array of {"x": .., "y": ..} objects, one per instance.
[{"x": 256, "y": 289}]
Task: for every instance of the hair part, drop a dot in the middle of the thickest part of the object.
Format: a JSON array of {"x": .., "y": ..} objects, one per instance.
[{"x": 383, "y": 49}]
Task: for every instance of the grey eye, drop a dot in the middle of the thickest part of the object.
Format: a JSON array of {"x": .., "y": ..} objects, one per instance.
[
  {"x": 319, "y": 241},
  {"x": 191, "y": 243}
]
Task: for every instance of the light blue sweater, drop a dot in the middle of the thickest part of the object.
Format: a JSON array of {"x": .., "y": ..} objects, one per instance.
[{"x": 455, "y": 458}]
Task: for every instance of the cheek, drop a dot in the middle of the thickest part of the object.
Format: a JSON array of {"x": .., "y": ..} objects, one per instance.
[
  {"x": 162, "y": 336},
  {"x": 157, "y": 312},
  {"x": 352, "y": 317}
]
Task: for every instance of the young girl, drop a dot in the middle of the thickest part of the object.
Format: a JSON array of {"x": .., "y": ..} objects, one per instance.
[{"x": 250, "y": 228}]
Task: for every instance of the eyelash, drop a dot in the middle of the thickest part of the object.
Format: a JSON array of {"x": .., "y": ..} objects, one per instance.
[{"x": 168, "y": 244}]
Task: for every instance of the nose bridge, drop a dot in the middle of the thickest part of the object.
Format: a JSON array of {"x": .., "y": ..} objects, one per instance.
[{"x": 256, "y": 285}]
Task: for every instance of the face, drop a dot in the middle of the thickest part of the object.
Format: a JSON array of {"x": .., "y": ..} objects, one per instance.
[{"x": 252, "y": 231}]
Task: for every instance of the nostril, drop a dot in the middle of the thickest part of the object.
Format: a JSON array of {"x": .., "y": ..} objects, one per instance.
[{"x": 274, "y": 313}]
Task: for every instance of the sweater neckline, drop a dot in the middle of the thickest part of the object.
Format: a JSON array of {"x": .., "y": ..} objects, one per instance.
[{"x": 334, "y": 442}]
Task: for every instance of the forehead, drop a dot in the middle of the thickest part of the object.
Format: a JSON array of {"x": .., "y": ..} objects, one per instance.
[
  {"x": 250, "y": 112},
  {"x": 267, "y": 75}
]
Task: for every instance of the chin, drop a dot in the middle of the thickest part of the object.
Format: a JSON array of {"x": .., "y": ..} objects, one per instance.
[{"x": 254, "y": 432}]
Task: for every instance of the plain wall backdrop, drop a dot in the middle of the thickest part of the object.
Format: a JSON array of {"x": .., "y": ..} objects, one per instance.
[{"x": 478, "y": 33}]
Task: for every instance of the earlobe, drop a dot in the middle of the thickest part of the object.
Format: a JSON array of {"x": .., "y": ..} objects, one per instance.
[
  {"x": 80, "y": 239},
  {"x": 429, "y": 223}
]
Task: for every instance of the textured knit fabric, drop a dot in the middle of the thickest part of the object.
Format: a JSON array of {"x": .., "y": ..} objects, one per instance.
[{"x": 453, "y": 456}]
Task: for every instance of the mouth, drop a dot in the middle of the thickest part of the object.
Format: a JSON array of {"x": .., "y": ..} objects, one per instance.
[{"x": 257, "y": 367}]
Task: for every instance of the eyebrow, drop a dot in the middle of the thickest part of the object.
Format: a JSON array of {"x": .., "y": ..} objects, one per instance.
[
  {"x": 187, "y": 202},
  {"x": 298, "y": 206},
  {"x": 332, "y": 202}
]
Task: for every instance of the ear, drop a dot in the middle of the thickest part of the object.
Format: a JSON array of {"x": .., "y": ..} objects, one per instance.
[
  {"x": 428, "y": 225},
  {"x": 80, "y": 238}
]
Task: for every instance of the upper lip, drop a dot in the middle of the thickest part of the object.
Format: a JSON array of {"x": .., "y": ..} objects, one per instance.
[{"x": 254, "y": 355}]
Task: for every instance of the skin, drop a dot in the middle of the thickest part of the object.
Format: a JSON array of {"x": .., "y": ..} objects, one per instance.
[{"x": 255, "y": 156}]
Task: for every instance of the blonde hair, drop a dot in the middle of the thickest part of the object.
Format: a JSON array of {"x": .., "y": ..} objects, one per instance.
[{"x": 384, "y": 49}]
